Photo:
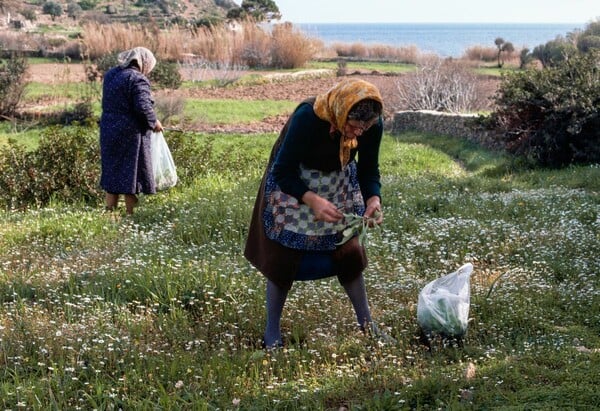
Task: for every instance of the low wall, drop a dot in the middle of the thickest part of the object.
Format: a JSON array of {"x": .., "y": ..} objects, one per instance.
[{"x": 436, "y": 122}]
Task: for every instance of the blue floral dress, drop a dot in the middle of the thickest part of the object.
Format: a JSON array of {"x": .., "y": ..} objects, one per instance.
[{"x": 127, "y": 120}]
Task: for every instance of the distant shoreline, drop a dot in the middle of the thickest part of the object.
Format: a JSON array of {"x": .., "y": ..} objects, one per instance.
[{"x": 444, "y": 39}]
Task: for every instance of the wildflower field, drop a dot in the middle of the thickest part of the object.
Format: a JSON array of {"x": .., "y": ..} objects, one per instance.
[{"x": 162, "y": 312}]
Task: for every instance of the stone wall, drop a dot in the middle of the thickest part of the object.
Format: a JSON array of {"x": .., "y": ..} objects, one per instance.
[{"x": 436, "y": 122}]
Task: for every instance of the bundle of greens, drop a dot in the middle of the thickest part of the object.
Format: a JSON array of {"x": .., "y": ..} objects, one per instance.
[{"x": 358, "y": 225}]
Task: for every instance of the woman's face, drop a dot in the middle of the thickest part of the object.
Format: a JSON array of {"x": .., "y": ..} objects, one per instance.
[{"x": 355, "y": 128}]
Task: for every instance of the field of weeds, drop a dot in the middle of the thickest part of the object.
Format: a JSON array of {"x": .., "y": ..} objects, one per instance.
[{"x": 161, "y": 311}]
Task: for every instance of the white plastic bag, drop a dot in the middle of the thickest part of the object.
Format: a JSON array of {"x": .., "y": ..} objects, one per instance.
[
  {"x": 443, "y": 306},
  {"x": 165, "y": 174}
]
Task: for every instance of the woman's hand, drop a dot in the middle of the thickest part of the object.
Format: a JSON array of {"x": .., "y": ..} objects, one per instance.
[
  {"x": 373, "y": 210},
  {"x": 158, "y": 126},
  {"x": 323, "y": 209}
]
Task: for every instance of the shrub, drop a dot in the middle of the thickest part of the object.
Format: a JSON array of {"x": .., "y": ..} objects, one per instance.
[
  {"x": 481, "y": 53},
  {"x": 65, "y": 166},
  {"x": 552, "y": 116},
  {"x": 88, "y": 4},
  {"x": 12, "y": 84},
  {"x": 166, "y": 75},
  {"x": 168, "y": 106},
  {"x": 554, "y": 52},
  {"x": 441, "y": 85},
  {"x": 29, "y": 14}
]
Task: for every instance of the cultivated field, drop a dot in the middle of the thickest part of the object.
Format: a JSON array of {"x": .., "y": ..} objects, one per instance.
[{"x": 161, "y": 310}]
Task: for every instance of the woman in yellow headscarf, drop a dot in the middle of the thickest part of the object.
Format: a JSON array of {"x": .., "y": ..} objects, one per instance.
[{"x": 313, "y": 177}]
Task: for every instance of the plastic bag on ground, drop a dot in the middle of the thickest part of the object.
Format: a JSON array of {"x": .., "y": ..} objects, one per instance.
[
  {"x": 163, "y": 166},
  {"x": 443, "y": 306}
]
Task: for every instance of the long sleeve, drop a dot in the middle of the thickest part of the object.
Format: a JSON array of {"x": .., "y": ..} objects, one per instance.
[
  {"x": 369, "y": 177},
  {"x": 298, "y": 144},
  {"x": 143, "y": 105}
]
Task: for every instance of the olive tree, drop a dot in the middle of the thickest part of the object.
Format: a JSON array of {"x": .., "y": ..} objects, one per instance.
[{"x": 53, "y": 9}]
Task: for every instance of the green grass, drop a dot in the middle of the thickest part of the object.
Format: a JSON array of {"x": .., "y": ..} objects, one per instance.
[
  {"x": 161, "y": 311},
  {"x": 43, "y": 92},
  {"x": 233, "y": 111},
  {"x": 383, "y": 67},
  {"x": 25, "y": 136}
]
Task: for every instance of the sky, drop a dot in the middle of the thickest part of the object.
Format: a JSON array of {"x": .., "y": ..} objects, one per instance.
[{"x": 439, "y": 11}]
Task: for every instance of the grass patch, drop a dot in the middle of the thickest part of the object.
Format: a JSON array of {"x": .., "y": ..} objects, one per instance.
[
  {"x": 43, "y": 92},
  {"x": 102, "y": 311},
  {"x": 25, "y": 136},
  {"x": 384, "y": 67},
  {"x": 234, "y": 111}
]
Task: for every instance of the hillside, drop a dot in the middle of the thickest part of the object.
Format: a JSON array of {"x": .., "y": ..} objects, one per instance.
[{"x": 32, "y": 14}]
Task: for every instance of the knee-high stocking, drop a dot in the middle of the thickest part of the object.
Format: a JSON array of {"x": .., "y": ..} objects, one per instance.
[
  {"x": 358, "y": 297},
  {"x": 276, "y": 297}
]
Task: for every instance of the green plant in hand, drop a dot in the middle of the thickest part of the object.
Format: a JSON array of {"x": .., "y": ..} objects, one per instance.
[{"x": 358, "y": 225}]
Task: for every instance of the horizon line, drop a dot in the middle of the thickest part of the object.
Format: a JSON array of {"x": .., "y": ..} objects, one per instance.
[{"x": 434, "y": 22}]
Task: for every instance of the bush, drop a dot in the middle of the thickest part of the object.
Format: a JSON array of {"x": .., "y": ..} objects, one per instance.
[
  {"x": 441, "y": 85},
  {"x": 166, "y": 75},
  {"x": 552, "y": 116},
  {"x": 12, "y": 84},
  {"x": 88, "y": 4},
  {"x": 65, "y": 166},
  {"x": 554, "y": 52}
]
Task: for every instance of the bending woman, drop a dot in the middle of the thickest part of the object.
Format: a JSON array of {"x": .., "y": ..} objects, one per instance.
[{"x": 312, "y": 178}]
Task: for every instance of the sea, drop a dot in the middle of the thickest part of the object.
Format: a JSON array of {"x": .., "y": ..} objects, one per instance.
[{"x": 443, "y": 39}]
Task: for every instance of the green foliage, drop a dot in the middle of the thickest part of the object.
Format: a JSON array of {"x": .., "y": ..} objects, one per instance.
[
  {"x": 166, "y": 75},
  {"x": 552, "y": 116},
  {"x": 588, "y": 43},
  {"x": 53, "y": 9},
  {"x": 259, "y": 10},
  {"x": 64, "y": 166},
  {"x": 12, "y": 84},
  {"x": 589, "y": 38},
  {"x": 554, "y": 52},
  {"x": 88, "y": 4}
]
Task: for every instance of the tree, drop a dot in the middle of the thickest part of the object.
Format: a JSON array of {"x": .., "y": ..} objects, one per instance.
[
  {"x": 259, "y": 10},
  {"x": 74, "y": 10},
  {"x": 503, "y": 46},
  {"x": 53, "y": 9}
]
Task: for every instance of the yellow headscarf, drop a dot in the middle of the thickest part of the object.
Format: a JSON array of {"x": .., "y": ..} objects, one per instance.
[
  {"x": 334, "y": 106},
  {"x": 144, "y": 58}
]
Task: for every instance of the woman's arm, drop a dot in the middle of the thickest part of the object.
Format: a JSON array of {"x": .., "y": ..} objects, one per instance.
[
  {"x": 294, "y": 147},
  {"x": 143, "y": 105},
  {"x": 369, "y": 177}
]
